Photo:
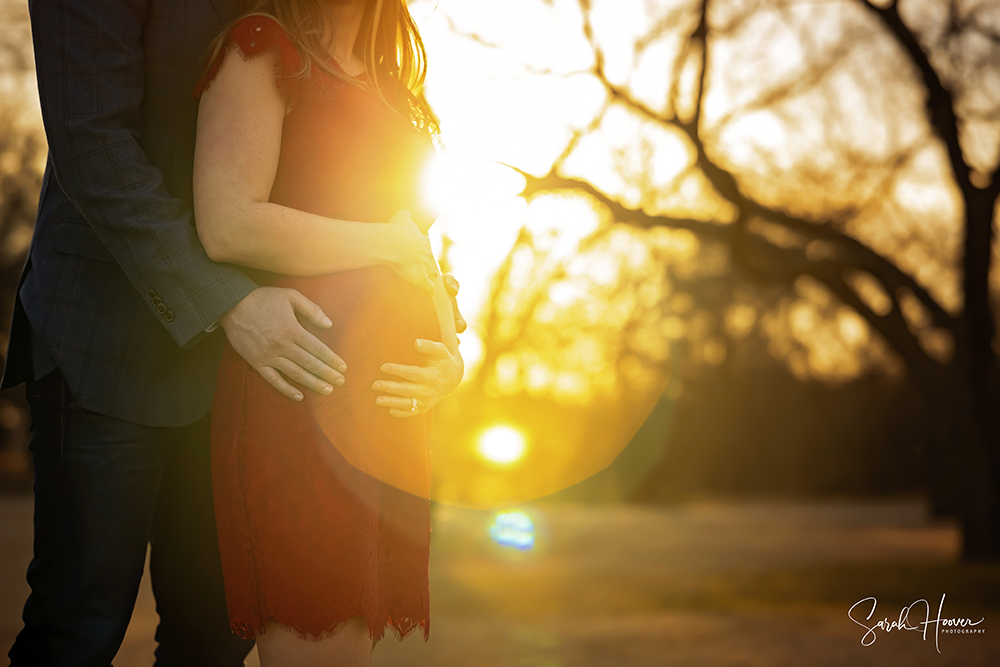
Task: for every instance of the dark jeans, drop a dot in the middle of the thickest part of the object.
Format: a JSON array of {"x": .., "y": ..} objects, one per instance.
[{"x": 104, "y": 488}]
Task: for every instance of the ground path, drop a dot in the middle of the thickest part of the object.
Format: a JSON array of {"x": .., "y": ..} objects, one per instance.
[{"x": 705, "y": 584}]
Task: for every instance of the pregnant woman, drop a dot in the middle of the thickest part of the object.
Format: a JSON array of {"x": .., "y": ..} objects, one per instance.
[{"x": 312, "y": 131}]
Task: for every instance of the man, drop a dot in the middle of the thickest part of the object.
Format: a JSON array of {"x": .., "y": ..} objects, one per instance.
[{"x": 113, "y": 333}]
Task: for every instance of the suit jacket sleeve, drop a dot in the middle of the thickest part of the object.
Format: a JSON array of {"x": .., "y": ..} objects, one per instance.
[{"x": 89, "y": 61}]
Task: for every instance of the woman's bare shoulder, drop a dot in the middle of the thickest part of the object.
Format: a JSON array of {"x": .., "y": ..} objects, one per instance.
[{"x": 250, "y": 38}]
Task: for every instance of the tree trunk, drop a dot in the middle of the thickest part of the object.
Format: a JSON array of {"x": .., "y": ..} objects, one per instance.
[
  {"x": 978, "y": 432},
  {"x": 963, "y": 475},
  {"x": 980, "y": 511}
]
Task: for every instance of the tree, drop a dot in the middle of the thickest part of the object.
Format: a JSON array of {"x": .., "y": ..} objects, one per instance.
[
  {"x": 22, "y": 155},
  {"x": 882, "y": 94}
]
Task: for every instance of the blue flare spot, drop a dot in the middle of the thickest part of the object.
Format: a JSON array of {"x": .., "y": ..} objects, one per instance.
[{"x": 513, "y": 529}]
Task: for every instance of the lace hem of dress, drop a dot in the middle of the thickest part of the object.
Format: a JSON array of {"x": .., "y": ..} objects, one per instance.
[
  {"x": 401, "y": 629},
  {"x": 377, "y": 621}
]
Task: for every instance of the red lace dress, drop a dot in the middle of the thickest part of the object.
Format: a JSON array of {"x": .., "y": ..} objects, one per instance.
[{"x": 308, "y": 537}]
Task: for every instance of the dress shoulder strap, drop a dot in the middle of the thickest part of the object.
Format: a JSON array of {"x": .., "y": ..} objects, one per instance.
[{"x": 253, "y": 36}]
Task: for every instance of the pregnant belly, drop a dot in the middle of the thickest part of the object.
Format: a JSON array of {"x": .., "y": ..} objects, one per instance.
[
  {"x": 376, "y": 317},
  {"x": 373, "y": 310}
]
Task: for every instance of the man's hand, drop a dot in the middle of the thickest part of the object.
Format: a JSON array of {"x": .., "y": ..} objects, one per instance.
[
  {"x": 451, "y": 287},
  {"x": 427, "y": 384},
  {"x": 263, "y": 329}
]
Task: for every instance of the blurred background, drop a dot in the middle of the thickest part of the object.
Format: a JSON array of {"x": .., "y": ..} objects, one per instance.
[{"x": 732, "y": 365}]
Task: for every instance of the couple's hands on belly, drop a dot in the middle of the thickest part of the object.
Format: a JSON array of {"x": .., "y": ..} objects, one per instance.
[
  {"x": 427, "y": 384},
  {"x": 263, "y": 329}
]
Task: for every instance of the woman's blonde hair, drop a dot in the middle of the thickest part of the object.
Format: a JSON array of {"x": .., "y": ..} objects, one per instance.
[{"x": 388, "y": 43}]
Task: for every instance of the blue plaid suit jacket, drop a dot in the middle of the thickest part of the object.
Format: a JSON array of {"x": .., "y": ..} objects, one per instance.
[{"x": 116, "y": 282}]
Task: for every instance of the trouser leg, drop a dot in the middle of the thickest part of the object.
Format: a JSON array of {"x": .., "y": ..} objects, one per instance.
[
  {"x": 185, "y": 564},
  {"x": 96, "y": 488}
]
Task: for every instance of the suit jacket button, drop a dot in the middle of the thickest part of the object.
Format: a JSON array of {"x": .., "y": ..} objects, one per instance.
[
  {"x": 162, "y": 308},
  {"x": 157, "y": 301},
  {"x": 151, "y": 294},
  {"x": 169, "y": 316}
]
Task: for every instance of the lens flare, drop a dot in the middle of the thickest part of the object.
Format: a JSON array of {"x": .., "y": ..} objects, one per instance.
[
  {"x": 513, "y": 529},
  {"x": 502, "y": 445}
]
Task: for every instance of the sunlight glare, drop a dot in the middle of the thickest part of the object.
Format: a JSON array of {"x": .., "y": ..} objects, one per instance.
[
  {"x": 452, "y": 182},
  {"x": 502, "y": 444}
]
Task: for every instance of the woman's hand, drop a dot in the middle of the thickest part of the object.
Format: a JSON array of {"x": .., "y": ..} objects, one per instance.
[
  {"x": 412, "y": 258},
  {"x": 427, "y": 384},
  {"x": 451, "y": 287}
]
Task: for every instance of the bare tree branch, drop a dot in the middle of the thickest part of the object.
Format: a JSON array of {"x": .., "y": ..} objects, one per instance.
[{"x": 940, "y": 102}]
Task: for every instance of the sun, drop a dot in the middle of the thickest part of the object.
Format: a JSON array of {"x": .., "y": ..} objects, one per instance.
[
  {"x": 502, "y": 445},
  {"x": 453, "y": 182}
]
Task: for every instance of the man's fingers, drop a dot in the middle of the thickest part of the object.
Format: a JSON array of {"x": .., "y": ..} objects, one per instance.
[
  {"x": 450, "y": 284},
  {"x": 318, "y": 349},
  {"x": 293, "y": 371},
  {"x": 432, "y": 348},
  {"x": 313, "y": 365},
  {"x": 411, "y": 373},
  {"x": 312, "y": 312},
  {"x": 274, "y": 379}
]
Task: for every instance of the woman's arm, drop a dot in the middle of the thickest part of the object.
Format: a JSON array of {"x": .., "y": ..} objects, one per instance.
[{"x": 236, "y": 156}]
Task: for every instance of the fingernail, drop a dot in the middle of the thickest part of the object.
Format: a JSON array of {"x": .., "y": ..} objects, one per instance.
[
  {"x": 339, "y": 382},
  {"x": 375, "y": 385},
  {"x": 379, "y": 401},
  {"x": 342, "y": 368},
  {"x": 420, "y": 343},
  {"x": 384, "y": 368},
  {"x": 327, "y": 322},
  {"x": 298, "y": 397},
  {"x": 327, "y": 390}
]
